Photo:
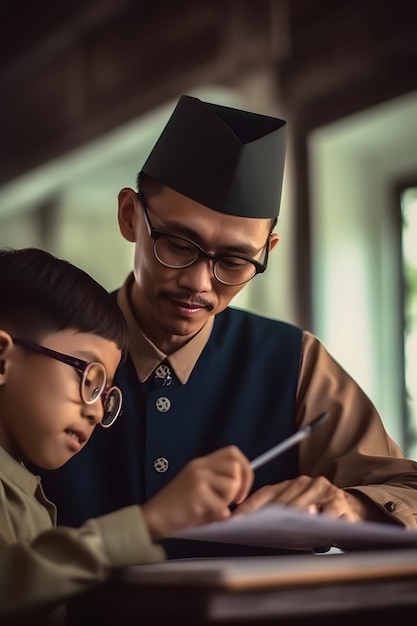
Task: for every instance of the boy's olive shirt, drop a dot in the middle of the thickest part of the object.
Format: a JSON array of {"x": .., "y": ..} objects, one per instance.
[{"x": 43, "y": 565}]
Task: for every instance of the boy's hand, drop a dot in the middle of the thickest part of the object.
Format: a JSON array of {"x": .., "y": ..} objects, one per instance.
[{"x": 201, "y": 493}]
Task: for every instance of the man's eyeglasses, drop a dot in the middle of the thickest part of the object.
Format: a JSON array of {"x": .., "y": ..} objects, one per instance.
[
  {"x": 92, "y": 381},
  {"x": 178, "y": 252}
]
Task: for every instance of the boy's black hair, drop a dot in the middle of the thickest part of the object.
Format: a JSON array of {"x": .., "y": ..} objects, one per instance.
[{"x": 40, "y": 294}]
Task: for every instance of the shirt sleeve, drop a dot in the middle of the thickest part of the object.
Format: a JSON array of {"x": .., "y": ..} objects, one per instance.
[
  {"x": 61, "y": 562},
  {"x": 352, "y": 448}
]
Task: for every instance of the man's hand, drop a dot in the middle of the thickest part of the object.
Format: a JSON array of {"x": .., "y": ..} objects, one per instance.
[
  {"x": 201, "y": 493},
  {"x": 314, "y": 495}
]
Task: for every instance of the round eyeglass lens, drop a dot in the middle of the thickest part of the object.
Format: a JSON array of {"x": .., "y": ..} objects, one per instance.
[
  {"x": 234, "y": 271},
  {"x": 175, "y": 251},
  {"x": 112, "y": 403},
  {"x": 93, "y": 382}
]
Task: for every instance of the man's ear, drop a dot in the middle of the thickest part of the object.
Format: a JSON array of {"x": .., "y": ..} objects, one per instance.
[
  {"x": 273, "y": 241},
  {"x": 6, "y": 346},
  {"x": 128, "y": 204}
]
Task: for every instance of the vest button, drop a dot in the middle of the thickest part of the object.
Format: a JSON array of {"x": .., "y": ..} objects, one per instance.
[
  {"x": 161, "y": 465},
  {"x": 163, "y": 404},
  {"x": 390, "y": 506},
  {"x": 163, "y": 374}
]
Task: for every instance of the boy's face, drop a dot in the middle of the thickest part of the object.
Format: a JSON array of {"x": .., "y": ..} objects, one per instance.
[{"x": 43, "y": 418}]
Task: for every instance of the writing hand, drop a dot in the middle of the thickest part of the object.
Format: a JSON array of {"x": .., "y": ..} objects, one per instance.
[{"x": 200, "y": 493}]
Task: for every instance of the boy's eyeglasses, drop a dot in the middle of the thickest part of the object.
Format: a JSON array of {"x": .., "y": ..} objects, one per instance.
[{"x": 92, "y": 380}]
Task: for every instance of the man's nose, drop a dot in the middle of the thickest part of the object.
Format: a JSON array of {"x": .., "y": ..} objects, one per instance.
[{"x": 199, "y": 276}]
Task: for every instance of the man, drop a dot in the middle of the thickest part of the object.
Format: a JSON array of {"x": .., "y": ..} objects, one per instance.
[{"x": 202, "y": 375}]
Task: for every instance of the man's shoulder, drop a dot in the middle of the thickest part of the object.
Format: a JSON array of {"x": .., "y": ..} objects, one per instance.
[
  {"x": 253, "y": 325},
  {"x": 242, "y": 316}
]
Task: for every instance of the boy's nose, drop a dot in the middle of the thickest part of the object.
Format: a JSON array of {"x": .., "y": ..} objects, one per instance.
[{"x": 94, "y": 412}]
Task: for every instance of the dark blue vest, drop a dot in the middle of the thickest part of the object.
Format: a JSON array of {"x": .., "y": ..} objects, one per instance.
[{"x": 241, "y": 391}]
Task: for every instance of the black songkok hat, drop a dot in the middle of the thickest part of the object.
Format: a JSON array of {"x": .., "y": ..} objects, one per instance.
[{"x": 229, "y": 160}]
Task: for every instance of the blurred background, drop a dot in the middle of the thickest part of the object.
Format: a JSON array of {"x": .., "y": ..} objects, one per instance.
[{"x": 86, "y": 87}]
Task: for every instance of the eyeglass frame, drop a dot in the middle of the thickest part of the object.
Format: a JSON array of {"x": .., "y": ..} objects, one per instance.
[
  {"x": 156, "y": 234},
  {"x": 79, "y": 365}
]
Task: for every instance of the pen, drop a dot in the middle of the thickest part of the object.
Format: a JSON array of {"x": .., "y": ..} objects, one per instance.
[{"x": 288, "y": 443}]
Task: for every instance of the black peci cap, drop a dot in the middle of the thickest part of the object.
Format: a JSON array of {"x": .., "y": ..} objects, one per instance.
[{"x": 229, "y": 160}]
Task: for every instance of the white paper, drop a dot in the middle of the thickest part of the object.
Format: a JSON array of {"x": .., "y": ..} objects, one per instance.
[{"x": 276, "y": 526}]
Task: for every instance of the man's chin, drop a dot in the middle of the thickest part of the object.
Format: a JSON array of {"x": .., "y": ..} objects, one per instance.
[{"x": 184, "y": 328}]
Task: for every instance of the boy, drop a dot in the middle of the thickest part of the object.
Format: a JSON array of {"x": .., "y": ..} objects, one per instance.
[{"x": 61, "y": 340}]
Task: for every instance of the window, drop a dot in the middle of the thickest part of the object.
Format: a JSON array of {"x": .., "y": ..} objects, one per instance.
[{"x": 409, "y": 276}]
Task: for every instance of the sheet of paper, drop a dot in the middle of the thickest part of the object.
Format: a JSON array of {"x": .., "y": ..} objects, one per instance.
[{"x": 275, "y": 526}]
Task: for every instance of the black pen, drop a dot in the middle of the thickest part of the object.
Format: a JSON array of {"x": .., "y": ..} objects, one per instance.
[{"x": 288, "y": 443}]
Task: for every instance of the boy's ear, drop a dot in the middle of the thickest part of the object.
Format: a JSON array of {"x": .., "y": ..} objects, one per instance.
[
  {"x": 6, "y": 346},
  {"x": 128, "y": 203}
]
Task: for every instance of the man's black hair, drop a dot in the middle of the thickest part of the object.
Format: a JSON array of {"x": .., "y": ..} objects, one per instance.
[{"x": 148, "y": 186}]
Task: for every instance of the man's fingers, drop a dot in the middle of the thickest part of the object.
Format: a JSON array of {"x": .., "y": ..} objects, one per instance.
[{"x": 315, "y": 495}]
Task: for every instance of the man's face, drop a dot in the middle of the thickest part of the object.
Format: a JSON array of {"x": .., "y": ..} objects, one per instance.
[{"x": 172, "y": 305}]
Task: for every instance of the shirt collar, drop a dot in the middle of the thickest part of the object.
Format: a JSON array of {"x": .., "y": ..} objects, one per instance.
[
  {"x": 18, "y": 473},
  {"x": 30, "y": 484},
  {"x": 146, "y": 356}
]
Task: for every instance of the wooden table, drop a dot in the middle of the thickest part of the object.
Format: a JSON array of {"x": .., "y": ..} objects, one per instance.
[{"x": 376, "y": 588}]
